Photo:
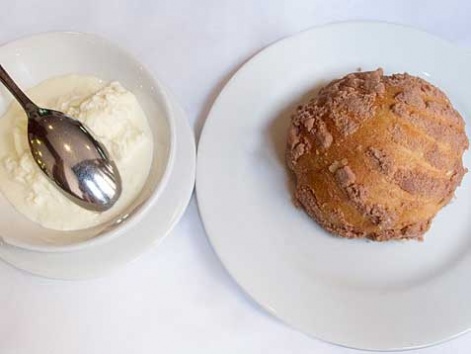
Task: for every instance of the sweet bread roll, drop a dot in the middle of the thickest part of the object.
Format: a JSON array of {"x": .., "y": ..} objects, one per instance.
[{"x": 376, "y": 156}]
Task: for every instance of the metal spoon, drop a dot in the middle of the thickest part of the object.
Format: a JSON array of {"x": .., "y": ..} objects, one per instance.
[{"x": 68, "y": 154}]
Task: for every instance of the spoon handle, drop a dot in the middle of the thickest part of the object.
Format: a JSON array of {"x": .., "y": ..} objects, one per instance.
[{"x": 27, "y": 104}]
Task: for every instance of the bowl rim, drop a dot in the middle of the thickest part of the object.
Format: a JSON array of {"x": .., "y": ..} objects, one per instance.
[{"x": 138, "y": 213}]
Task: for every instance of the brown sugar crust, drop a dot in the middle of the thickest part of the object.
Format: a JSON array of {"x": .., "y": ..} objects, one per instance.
[{"x": 376, "y": 156}]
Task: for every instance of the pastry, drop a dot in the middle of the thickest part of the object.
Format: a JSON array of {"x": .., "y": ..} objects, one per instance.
[{"x": 376, "y": 156}]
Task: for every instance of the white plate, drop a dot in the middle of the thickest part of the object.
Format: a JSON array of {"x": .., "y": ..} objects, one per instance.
[
  {"x": 379, "y": 296},
  {"x": 157, "y": 223}
]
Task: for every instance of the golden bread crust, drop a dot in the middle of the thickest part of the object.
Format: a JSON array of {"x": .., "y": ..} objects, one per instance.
[{"x": 376, "y": 156}]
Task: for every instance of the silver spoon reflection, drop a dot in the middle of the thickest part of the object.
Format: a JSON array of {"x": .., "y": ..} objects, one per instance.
[{"x": 68, "y": 154}]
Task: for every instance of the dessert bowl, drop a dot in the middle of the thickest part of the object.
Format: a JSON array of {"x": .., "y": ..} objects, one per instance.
[{"x": 35, "y": 59}]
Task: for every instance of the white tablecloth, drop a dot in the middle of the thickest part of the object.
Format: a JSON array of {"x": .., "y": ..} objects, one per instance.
[{"x": 177, "y": 298}]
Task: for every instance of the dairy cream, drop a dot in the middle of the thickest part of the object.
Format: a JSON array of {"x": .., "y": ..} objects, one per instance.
[{"x": 115, "y": 117}]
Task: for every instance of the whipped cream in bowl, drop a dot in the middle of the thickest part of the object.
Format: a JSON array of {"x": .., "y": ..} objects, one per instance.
[{"x": 127, "y": 112}]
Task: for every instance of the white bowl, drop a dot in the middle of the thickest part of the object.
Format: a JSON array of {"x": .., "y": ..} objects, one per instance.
[{"x": 37, "y": 58}]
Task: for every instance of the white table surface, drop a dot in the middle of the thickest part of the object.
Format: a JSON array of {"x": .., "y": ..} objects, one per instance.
[{"x": 177, "y": 298}]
